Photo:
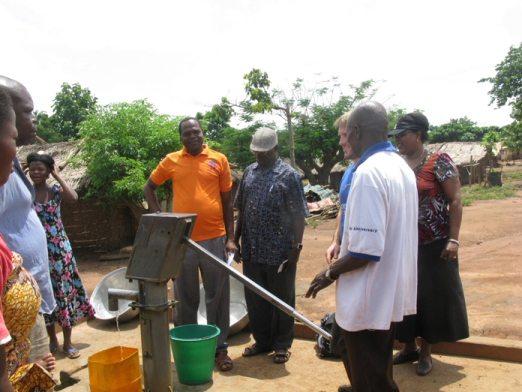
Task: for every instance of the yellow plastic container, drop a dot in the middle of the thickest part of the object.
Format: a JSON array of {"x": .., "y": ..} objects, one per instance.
[{"x": 116, "y": 369}]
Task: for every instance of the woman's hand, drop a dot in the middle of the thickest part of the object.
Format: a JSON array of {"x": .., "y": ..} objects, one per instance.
[
  {"x": 450, "y": 252},
  {"x": 54, "y": 172}
]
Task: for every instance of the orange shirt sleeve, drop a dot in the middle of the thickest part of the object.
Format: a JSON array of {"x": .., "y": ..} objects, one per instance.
[
  {"x": 225, "y": 179},
  {"x": 162, "y": 172}
]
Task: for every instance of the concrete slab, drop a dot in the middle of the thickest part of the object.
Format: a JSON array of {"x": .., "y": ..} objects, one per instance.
[{"x": 304, "y": 372}]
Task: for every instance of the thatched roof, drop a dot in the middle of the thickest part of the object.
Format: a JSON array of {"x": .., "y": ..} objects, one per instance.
[
  {"x": 460, "y": 152},
  {"x": 62, "y": 153}
]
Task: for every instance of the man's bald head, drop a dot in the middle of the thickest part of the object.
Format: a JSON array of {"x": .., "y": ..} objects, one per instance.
[
  {"x": 370, "y": 116},
  {"x": 367, "y": 125},
  {"x": 23, "y": 107}
]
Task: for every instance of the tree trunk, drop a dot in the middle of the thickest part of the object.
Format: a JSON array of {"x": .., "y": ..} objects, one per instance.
[
  {"x": 324, "y": 174},
  {"x": 329, "y": 161},
  {"x": 137, "y": 210},
  {"x": 290, "y": 135},
  {"x": 307, "y": 171}
]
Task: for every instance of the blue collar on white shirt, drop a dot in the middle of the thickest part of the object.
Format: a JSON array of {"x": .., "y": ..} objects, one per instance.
[{"x": 382, "y": 146}]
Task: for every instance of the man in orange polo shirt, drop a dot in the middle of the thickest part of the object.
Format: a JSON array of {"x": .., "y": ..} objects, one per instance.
[{"x": 201, "y": 184}]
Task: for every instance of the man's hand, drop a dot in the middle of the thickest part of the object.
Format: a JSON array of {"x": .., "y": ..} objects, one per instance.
[
  {"x": 293, "y": 258},
  {"x": 320, "y": 282},
  {"x": 332, "y": 252},
  {"x": 230, "y": 247}
]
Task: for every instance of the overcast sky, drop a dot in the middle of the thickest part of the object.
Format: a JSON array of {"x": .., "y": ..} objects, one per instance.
[{"x": 183, "y": 56}]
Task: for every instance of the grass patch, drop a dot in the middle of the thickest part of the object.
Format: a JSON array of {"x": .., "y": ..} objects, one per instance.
[
  {"x": 512, "y": 175},
  {"x": 313, "y": 222},
  {"x": 478, "y": 192}
]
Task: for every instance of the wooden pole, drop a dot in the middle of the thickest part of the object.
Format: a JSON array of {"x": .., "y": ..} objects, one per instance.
[{"x": 290, "y": 136}]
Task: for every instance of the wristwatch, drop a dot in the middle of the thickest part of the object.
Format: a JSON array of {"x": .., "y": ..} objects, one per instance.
[
  {"x": 298, "y": 246},
  {"x": 328, "y": 276}
]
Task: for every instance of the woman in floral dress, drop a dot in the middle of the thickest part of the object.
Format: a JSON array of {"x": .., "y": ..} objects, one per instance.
[{"x": 72, "y": 302}]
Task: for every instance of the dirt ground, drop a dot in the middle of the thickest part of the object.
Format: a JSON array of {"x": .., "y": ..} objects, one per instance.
[{"x": 490, "y": 268}]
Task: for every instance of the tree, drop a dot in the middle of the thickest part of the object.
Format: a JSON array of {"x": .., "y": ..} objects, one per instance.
[
  {"x": 459, "y": 130},
  {"x": 256, "y": 87},
  {"x": 309, "y": 114},
  {"x": 507, "y": 90},
  {"x": 71, "y": 106},
  {"x": 121, "y": 144},
  {"x": 216, "y": 120},
  {"x": 394, "y": 113},
  {"x": 236, "y": 145},
  {"x": 490, "y": 139},
  {"x": 46, "y": 129}
]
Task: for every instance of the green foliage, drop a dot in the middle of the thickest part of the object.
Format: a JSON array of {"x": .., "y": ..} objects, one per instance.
[
  {"x": 236, "y": 145},
  {"x": 311, "y": 111},
  {"x": 490, "y": 139},
  {"x": 256, "y": 87},
  {"x": 394, "y": 114},
  {"x": 507, "y": 90},
  {"x": 46, "y": 129},
  {"x": 459, "y": 130},
  {"x": 312, "y": 222},
  {"x": 215, "y": 121},
  {"x": 121, "y": 144},
  {"x": 512, "y": 136},
  {"x": 507, "y": 84},
  {"x": 71, "y": 106}
]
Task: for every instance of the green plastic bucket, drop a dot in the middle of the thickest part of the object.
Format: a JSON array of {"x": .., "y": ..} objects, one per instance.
[{"x": 194, "y": 349}]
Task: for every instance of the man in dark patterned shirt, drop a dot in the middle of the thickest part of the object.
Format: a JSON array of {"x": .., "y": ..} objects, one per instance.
[{"x": 272, "y": 208}]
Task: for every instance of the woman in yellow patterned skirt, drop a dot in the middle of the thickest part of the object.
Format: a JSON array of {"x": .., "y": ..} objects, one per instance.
[{"x": 20, "y": 305}]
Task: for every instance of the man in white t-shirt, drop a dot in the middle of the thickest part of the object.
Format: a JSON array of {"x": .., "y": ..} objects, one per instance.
[{"x": 377, "y": 267}]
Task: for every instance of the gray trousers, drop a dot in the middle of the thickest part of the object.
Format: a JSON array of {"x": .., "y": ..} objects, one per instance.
[{"x": 217, "y": 290}]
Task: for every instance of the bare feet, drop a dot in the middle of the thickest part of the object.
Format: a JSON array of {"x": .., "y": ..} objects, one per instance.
[{"x": 47, "y": 362}]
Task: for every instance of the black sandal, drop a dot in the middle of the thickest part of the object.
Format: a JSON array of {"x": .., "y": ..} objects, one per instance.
[
  {"x": 254, "y": 350},
  {"x": 282, "y": 356}
]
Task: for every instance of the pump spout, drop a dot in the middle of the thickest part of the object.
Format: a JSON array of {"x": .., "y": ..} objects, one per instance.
[{"x": 116, "y": 294}]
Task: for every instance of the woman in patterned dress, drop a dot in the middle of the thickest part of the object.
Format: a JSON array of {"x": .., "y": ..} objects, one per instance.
[
  {"x": 441, "y": 307},
  {"x": 71, "y": 297}
]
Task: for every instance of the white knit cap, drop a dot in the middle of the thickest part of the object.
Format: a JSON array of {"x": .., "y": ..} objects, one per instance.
[{"x": 264, "y": 139}]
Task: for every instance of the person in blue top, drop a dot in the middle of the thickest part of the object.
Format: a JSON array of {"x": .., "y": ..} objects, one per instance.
[
  {"x": 20, "y": 226},
  {"x": 332, "y": 253}
]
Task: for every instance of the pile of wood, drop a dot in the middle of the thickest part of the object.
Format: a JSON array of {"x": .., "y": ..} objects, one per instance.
[{"x": 329, "y": 211}]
